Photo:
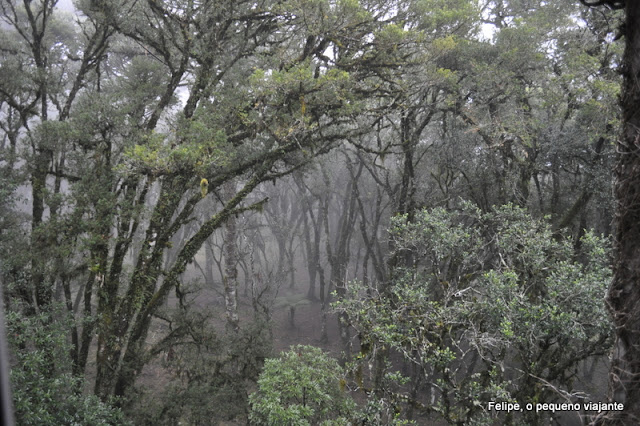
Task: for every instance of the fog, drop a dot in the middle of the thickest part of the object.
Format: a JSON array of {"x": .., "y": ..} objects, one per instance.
[{"x": 291, "y": 213}]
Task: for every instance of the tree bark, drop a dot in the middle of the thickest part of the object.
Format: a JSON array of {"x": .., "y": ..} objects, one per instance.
[
  {"x": 624, "y": 293},
  {"x": 230, "y": 263}
]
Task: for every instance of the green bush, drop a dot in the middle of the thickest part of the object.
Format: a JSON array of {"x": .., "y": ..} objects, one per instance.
[
  {"x": 304, "y": 386},
  {"x": 44, "y": 390},
  {"x": 491, "y": 307}
]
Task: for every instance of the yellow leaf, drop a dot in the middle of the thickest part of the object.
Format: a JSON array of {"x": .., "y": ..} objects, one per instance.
[{"x": 204, "y": 187}]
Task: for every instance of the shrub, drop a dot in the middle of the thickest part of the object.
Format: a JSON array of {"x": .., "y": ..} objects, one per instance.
[{"x": 304, "y": 386}]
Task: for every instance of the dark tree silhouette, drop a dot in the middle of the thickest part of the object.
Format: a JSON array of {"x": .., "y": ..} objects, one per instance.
[{"x": 624, "y": 293}]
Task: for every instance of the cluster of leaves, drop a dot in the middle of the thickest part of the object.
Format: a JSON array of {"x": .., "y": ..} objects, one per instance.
[
  {"x": 303, "y": 386},
  {"x": 45, "y": 392},
  {"x": 193, "y": 148},
  {"x": 494, "y": 307},
  {"x": 306, "y": 386}
]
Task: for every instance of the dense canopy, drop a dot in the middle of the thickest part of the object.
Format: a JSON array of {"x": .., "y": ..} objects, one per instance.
[{"x": 421, "y": 189}]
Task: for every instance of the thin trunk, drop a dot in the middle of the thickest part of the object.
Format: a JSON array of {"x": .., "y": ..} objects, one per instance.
[{"x": 230, "y": 263}]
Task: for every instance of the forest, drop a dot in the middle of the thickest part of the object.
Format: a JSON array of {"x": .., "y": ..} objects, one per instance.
[{"x": 320, "y": 212}]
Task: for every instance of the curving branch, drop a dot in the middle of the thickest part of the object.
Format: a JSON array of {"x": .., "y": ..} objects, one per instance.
[{"x": 612, "y": 4}]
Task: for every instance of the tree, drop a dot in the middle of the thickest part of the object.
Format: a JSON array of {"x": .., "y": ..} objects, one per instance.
[
  {"x": 117, "y": 161},
  {"x": 494, "y": 309},
  {"x": 301, "y": 387},
  {"x": 145, "y": 130},
  {"x": 207, "y": 374},
  {"x": 42, "y": 396},
  {"x": 525, "y": 98},
  {"x": 624, "y": 293}
]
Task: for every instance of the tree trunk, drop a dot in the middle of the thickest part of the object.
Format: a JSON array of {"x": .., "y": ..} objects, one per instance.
[
  {"x": 230, "y": 263},
  {"x": 624, "y": 294}
]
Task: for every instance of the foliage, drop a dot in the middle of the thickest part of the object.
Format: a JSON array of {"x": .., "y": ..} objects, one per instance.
[
  {"x": 130, "y": 135},
  {"x": 208, "y": 373},
  {"x": 494, "y": 308},
  {"x": 303, "y": 386},
  {"x": 128, "y": 120},
  {"x": 44, "y": 393}
]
